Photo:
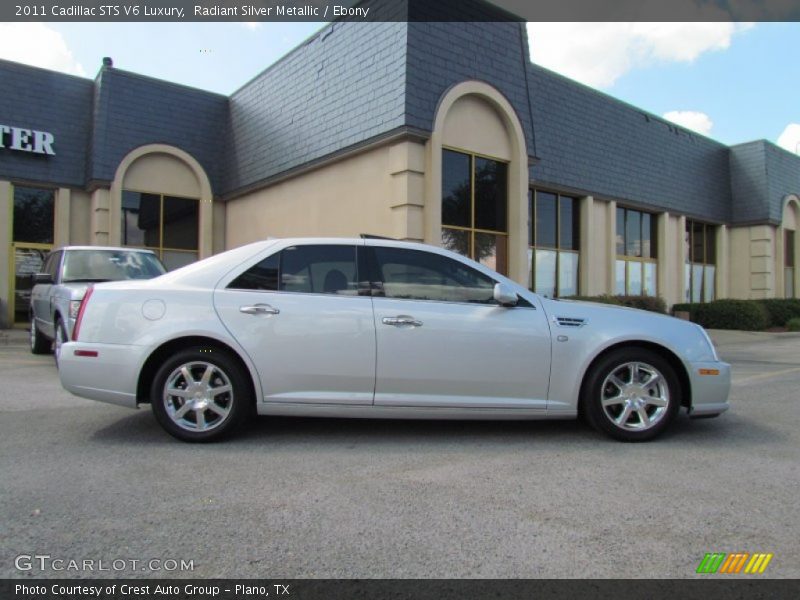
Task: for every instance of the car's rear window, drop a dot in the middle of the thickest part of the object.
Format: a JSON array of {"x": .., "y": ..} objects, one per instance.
[{"x": 110, "y": 265}]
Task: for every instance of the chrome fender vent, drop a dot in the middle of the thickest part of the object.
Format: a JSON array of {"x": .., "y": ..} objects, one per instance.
[{"x": 572, "y": 322}]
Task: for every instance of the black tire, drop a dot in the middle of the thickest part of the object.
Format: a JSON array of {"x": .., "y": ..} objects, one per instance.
[
  {"x": 61, "y": 338},
  {"x": 39, "y": 343},
  {"x": 200, "y": 421},
  {"x": 631, "y": 394}
]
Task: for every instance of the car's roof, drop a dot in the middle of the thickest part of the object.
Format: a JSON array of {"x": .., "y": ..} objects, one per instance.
[{"x": 112, "y": 248}]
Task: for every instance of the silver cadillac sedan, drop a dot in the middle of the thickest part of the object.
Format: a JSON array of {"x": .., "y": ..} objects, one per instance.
[{"x": 380, "y": 329}]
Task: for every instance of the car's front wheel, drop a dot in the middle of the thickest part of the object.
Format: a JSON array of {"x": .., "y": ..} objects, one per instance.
[
  {"x": 201, "y": 394},
  {"x": 631, "y": 394},
  {"x": 39, "y": 343}
]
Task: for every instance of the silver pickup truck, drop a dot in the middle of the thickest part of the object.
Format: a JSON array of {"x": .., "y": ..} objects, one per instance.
[{"x": 67, "y": 272}]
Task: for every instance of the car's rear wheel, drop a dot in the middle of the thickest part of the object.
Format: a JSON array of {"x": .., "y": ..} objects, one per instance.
[
  {"x": 60, "y": 340},
  {"x": 631, "y": 394},
  {"x": 39, "y": 343},
  {"x": 201, "y": 394}
]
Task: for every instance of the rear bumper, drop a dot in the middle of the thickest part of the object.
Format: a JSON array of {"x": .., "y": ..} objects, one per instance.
[
  {"x": 711, "y": 386},
  {"x": 110, "y": 376}
]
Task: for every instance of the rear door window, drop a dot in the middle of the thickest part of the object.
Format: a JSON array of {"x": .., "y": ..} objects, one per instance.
[{"x": 309, "y": 269}]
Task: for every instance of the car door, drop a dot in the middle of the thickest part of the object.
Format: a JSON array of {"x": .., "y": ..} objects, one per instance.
[
  {"x": 41, "y": 296},
  {"x": 299, "y": 316},
  {"x": 443, "y": 341}
]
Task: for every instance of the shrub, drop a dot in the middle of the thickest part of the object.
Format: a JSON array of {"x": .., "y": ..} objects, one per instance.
[
  {"x": 747, "y": 315},
  {"x": 793, "y": 324},
  {"x": 601, "y": 299},
  {"x": 651, "y": 303},
  {"x": 781, "y": 310}
]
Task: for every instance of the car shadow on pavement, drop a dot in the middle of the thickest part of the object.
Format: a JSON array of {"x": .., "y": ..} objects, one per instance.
[{"x": 298, "y": 432}]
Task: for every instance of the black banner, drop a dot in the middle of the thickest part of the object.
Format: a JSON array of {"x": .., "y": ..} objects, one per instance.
[
  {"x": 396, "y": 589},
  {"x": 398, "y": 10}
]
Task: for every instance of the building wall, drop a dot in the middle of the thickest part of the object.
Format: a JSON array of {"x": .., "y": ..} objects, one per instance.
[{"x": 376, "y": 192}]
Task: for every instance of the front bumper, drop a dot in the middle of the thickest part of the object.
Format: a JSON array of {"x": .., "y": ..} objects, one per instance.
[
  {"x": 110, "y": 376},
  {"x": 711, "y": 386}
]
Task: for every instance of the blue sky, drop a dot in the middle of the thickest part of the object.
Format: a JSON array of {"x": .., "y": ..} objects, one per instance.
[{"x": 732, "y": 82}]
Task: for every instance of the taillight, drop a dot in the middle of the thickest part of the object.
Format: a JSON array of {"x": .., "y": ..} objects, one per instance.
[{"x": 81, "y": 310}]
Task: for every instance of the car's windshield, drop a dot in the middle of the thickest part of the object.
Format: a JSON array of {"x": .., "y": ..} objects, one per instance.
[{"x": 110, "y": 265}]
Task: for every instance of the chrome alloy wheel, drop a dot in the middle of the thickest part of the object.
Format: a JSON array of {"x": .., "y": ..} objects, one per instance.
[
  {"x": 635, "y": 396},
  {"x": 198, "y": 396}
]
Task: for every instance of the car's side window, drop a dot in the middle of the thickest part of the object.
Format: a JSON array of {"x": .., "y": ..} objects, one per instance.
[
  {"x": 419, "y": 275},
  {"x": 263, "y": 276},
  {"x": 329, "y": 269},
  {"x": 51, "y": 265},
  {"x": 312, "y": 269}
]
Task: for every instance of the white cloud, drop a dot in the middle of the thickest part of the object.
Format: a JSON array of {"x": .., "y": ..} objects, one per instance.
[
  {"x": 598, "y": 54},
  {"x": 790, "y": 138},
  {"x": 38, "y": 45},
  {"x": 691, "y": 119},
  {"x": 251, "y": 25}
]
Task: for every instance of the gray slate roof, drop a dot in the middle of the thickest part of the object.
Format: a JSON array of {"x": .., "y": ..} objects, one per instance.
[
  {"x": 46, "y": 101},
  {"x": 132, "y": 110},
  {"x": 763, "y": 175},
  {"x": 343, "y": 86},
  {"x": 591, "y": 142}
]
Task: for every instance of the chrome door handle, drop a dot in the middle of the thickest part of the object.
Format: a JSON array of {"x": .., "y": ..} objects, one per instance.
[
  {"x": 259, "y": 309},
  {"x": 401, "y": 320}
]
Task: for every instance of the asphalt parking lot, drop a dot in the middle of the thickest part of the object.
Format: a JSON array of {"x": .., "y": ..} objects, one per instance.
[{"x": 298, "y": 498}]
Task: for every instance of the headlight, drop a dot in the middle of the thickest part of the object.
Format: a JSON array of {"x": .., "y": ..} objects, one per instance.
[
  {"x": 74, "y": 305},
  {"x": 709, "y": 342}
]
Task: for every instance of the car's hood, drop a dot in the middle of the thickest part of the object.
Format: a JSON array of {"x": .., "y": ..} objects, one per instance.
[
  {"x": 624, "y": 315},
  {"x": 75, "y": 289}
]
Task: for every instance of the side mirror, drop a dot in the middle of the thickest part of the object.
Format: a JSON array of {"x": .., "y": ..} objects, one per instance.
[
  {"x": 45, "y": 278},
  {"x": 504, "y": 295}
]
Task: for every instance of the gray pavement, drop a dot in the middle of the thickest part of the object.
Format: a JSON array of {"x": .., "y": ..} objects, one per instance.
[{"x": 337, "y": 498}]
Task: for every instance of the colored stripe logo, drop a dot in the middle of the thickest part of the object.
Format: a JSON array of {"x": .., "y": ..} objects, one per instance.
[{"x": 734, "y": 563}]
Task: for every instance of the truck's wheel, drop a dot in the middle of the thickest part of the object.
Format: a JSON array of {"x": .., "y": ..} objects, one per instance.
[{"x": 39, "y": 343}]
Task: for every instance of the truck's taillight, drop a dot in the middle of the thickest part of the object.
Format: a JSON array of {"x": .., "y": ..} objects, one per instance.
[{"x": 81, "y": 310}]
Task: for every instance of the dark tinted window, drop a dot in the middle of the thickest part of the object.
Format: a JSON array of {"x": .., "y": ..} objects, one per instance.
[
  {"x": 490, "y": 194},
  {"x": 636, "y": 233},
  {"x": 620, "y": 231},
  {"x": 263, "y": 276},
  {"x": 141, "y": 215},
  {"x": 545, "y": 220},
  {"x": 568, "y": 224},
  {"x": 181, "y": 223},
  {"x": 633, "y": 233},
  {"x": 319, "y": 270},
  {"x": 456, "y": 189},
  {"x": 324, "y": 269},
  {"x": 418, "y": 275},
  {"x": 34, "y": 210}
]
